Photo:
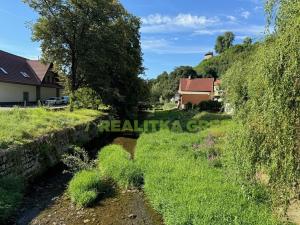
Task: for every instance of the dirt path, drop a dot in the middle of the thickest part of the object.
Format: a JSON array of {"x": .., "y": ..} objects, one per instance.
[{"x": 47, "y": 203}]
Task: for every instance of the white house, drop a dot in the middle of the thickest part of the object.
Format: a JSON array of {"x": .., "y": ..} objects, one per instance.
[{"x": 23, "y": 80}]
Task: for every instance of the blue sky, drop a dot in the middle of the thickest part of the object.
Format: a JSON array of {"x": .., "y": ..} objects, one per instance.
[{"x": 174, "y": 32}]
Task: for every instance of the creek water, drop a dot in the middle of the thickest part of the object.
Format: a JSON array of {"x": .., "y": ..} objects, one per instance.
[{"x": 48, "y": 203}]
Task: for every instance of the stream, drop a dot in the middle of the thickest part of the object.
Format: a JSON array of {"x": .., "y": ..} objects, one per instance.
[{"x": 48, "y": 203}]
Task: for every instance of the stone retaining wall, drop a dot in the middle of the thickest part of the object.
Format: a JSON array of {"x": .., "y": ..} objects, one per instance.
[{"x": 32, "y": 159}]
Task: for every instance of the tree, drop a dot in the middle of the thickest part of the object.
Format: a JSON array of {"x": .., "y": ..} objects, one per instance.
[
  {"x": 166, "y": 85},
  {"x": 224, "y": 42},
  {"x": 184, "y": 72},
  {"x": 218, "y": 65},
  {"x": 247, "y": 41},
  {"x": 94, "y": 42}
]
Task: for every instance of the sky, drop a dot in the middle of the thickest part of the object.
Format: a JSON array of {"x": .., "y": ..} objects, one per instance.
[{"x": 173, "y": 32}]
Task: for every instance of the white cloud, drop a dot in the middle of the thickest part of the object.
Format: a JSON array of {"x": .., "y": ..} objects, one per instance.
[
  {"x": 232, "y": 18},
  {"x": 241, "y": 30},
  {"x": 154, "y": 44},
  {"x": 162, "y": 46},
  {"x": 156, "y": 23},
  {"x": 258, "y": 8},
  {"x": 245, "y": 14}
]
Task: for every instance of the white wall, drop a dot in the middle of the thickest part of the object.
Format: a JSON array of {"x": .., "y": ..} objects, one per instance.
[
  {"x": 14, "y": 92},
  {"x": 47, "y": 92},
  {"x": 62, "y": 92}
]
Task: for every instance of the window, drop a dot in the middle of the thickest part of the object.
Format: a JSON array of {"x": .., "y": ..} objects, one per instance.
[
  {"x": 3, "y": 70},
  {"x": 24, "y": 74}
]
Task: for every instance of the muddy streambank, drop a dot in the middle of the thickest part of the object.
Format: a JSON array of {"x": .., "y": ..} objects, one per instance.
[{"x": 48, "y": 203}]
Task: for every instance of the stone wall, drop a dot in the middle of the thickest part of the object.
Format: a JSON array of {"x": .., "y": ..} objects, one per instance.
[{"x": 33, "y": 158}]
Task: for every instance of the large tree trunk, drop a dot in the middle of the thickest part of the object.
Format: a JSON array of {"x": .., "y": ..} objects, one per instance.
[{"x": 73, "y": 80}]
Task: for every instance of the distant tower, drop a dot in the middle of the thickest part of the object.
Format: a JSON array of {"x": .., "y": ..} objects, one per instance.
[{"x": 208, "y": 55}]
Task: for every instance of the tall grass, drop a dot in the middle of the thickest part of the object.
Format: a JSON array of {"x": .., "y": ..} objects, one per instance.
[
  {"x": 85, "y": 187},
  {"x": 186, "y": 188},
  {"x": 21, "y": 125},
  {"x": 116, "y": 163}
]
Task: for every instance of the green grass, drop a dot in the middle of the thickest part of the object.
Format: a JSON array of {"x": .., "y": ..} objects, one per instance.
[
  {"x": 84, "y": 187},
  {"x": 186, "y": 189},
  {"x": 20, "y": 125},
  {"x": 184, "y": 176},
  {"x": 11, "y": 194},
  {"x": 115, "y": 163}
]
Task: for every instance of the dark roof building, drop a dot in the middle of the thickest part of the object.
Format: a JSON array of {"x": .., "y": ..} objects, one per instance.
[{"x": 18, "y": 73}]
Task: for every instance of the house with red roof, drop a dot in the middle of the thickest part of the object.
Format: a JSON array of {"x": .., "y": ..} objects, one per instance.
[
  {"x": 196, "y": 90},
  {"x": 26, "y": 81}
]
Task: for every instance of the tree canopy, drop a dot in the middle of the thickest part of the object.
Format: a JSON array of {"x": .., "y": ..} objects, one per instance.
[
  {"x": 218, "y": 65},
  {"x": 96, "y": 43},
  {"x": 224, "y": 42},
  {"x": 166, "y": 85}
]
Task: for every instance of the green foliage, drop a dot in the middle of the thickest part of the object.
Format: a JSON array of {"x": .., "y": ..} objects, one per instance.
[
  {"x": 209, "y": 105},
  {"x": 218, "y": 65},
  {"x": 224, "y": 42},
  {"x": 77, "y": 160},
  {"x": 87, "y": 98},
  {"x": 22, "y": 125},
  {"x": 264, "y": 90},
  {"x": 193, "y": 190},
  {"x": 247, "y": 41},
  {"x": 11, "y": 194},
  {"x": 115, "y": 163},
  {"x": 96, "y": 43},
  {"x": 167, "y": 85},
  {"x": 84, "y": 187}
]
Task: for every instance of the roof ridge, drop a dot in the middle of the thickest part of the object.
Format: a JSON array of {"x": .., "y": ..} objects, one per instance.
[{"x": 7, "y": 53}]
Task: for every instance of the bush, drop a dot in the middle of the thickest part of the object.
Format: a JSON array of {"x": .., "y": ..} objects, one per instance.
[
  {"x": 189, "y": 106},
  {"x": 84, "y": 187},
  {"x": 264, "y": 90},
  {"x": 115, "y": 163},
  {"x": 77, "y": 160},
  {"x": 210, "y": 105},
  {"x": 87, "y": 98},
  {"x": 11, "y": 194}
]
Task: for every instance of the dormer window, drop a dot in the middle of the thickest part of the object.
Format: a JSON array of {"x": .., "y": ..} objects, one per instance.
[
  {"x": 3, "y": 70},
  {"x": 25, "y": 74}
]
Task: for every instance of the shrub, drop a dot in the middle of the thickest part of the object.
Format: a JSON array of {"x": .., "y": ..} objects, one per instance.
[
  {"x": 264, "y": 90},
  {"x": 209, "y": 105},
  {"x": 189, "y": 106},
  {"x": 11, "y": 194},
  {"x": 84, "y": 187},
  {"x": 115, "y": 163},
  {"x": 77, "y": 160},
  {"x": 87, "y": 98}
]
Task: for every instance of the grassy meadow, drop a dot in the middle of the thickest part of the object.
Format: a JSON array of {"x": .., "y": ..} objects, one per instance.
[
  {"x": 185, "y": 176},
  {"x": 20, "y": 125}
]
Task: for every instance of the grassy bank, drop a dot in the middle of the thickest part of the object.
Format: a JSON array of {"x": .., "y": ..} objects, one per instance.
[
  {"x": 21, "y": 125},
  {"x": 185, "y": 177}
]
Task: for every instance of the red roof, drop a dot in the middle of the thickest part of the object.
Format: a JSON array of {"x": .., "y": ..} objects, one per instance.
[
  {"x": 14, "y": 65},
  {"x": 197, "y": 85}
]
